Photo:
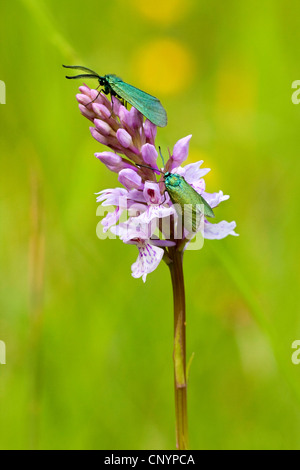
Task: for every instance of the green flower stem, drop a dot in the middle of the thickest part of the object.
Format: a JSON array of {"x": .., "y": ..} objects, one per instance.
[{"x": 179, "y": 354}]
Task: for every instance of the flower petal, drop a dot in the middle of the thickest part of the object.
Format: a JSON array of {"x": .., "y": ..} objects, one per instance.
[
  {"x": 136, "y": 195},
  {"x": 152, "y": 193},
  {"x": 148, "y": 259},
  {"x": 149, "y": 154},
  {"x": 199, "y": 186},
  {"x": 220, "y": 230},
  {"x": 214, "y": 199},
  {"x": 86, "y": 112},
  {"x": 124, "y": 138},
  {"x": 181, "y": 150},
  {"x": 111, "y": 219},
  {"x": 113, "y": 161},
  {"x": 103, "y": 127},
  {"x": 99, "y": 137},
  {"x": 108, "y": 158},
  {"x": 130, "y": 179},
  {"x": 101, "y": 110},
  {"x": 113, "y": 197},
  {"x": 155, "y": 212},
  {"x": 150, "y": 130},
  {"x": 193, "y": 172},
  {"x": 130, "y": 231},
  {"x": 132, "y": 119}
]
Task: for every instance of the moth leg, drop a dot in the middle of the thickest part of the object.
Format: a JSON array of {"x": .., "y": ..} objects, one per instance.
[
  {"x": 112, "y": 103},
  {"x": 96, "y": 96}
]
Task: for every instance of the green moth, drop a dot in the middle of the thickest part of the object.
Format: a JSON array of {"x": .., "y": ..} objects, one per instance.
[
  {"x": 189, "y": 204},
  {"x": 192, "y": 204},
  {"x": 147, "y": 104}
]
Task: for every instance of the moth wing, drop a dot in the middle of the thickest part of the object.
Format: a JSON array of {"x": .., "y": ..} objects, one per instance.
[
  {"x": 197, "y": 200},
  {"x": 148, "y": 105},
  {"x": 208, "y": 212},
  {"x": 192, "y": 217}
]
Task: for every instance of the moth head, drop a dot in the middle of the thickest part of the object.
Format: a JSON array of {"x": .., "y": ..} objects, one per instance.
[
  {"x": 101, "y": 80},
  {"x": 172, "y": 179}
]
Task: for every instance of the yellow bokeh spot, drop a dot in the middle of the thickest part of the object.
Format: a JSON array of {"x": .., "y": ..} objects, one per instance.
[
  {"x": 163, "y": 66},
  {"x": 162, "y": 11},
  {"x": 236, "y": 88}
]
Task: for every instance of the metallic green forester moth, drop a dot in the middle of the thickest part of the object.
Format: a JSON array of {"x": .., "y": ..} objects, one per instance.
[
  {"x": 148, "y": 105},
  {"x": 192, "y": 204},
  {"x": 189, "y": 204}
]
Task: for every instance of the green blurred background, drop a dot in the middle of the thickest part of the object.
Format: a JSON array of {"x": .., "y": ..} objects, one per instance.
[{"x": 89, "y": 348}]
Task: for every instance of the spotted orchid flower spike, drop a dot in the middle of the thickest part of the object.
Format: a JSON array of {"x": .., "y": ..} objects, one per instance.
[{"x": 131, "y": 142}]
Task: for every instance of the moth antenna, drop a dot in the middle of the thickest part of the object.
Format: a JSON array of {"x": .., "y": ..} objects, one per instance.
[
  {"x": 80, "y": 67},
  {"x": 83, "y": 75},
  {"x": 162, "y": 158},
  {"x": 150, "y": 168}
]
